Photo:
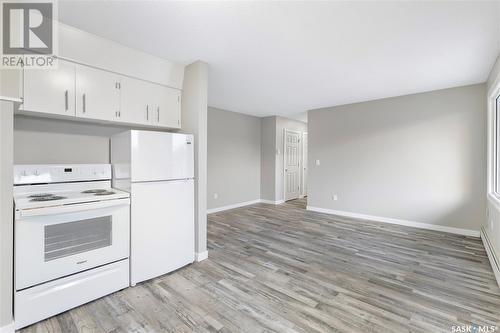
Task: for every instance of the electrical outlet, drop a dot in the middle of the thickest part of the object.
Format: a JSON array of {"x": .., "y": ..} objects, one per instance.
[
  {"x": 318, "y": 162},
  {"x": 335, "y": 197},
  {"x": 216, "y": 196}
]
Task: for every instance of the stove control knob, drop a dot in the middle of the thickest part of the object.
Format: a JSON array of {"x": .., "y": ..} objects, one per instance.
[
  {"x": 36, "y": 173},
  {"x": 24, "y": 173}
]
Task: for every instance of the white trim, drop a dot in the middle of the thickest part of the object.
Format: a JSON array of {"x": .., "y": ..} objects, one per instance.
[
  {"x": 200, "y": 256},
  {"x": 494, "y": 260},
  {"x": 493, "y": 93},
  {"x": 271, "y": 202},
  {"x": 303, "y": 166},
  {"x": 436, "y": 227},
  {"x": 494, "y": 200},
  {"x": 236, "y": 205},
  {"x": 14, "y": 100},
  {"x": 9, "y": 328}
]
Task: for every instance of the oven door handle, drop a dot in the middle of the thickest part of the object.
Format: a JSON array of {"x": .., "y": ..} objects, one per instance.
[{"x": 63, "y": 209}]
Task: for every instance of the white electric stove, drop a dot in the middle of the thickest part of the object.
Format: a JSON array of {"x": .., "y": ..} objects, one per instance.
[{"x": 71, "y": 238}]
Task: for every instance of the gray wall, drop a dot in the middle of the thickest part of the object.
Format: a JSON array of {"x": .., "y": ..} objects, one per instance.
[
  {"x": 234, "y": 142},
  {"x": 268, "y": 159},
  {"x": 46, "y": 141},
  {"x": 419, "y": 157},
  {"x": 6, "y": 216}
]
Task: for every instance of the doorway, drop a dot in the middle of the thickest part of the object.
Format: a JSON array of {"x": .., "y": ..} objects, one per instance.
[{"x": 293, "y": 164}]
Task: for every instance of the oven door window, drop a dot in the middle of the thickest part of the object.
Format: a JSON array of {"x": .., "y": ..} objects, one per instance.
[{"x": 66, "y": 239}]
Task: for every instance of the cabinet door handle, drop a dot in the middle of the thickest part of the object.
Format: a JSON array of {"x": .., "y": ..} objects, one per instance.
[
  {"x": 84, "y": 102},
  {"x": 66, "y": 106},
  {"x": 158, "y": 111},
  {"x": 147, "y": 112}
]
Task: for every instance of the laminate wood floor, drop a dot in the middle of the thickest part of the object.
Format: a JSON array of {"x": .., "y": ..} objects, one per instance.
[{"x": 283, "y": 269}]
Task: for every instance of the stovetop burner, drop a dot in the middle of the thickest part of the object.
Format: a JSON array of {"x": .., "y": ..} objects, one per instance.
[
  {"x": 40, "y": 195},
  {"x": 95, "y": 191},
  {"x": 48, "y": 198},
  {"x": 105, "y": 193}
]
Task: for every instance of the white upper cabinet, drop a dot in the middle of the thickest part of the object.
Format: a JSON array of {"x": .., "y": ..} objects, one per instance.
[
  {"x": 97, "y": 94},
  {"x": 116, "y": 84},
  {"x": 148, "y": 103},
  {"x": 167, "y": 107},
  {"x": 50, "y": 91},
  {"x": 135, "y": 104}
]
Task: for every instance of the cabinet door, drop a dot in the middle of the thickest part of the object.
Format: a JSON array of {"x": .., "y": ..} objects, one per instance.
[
  {"x": 50, "y": 91},
  {"x": 97, "y": 94},
  {"x": 136, "y": 104},
  {"x": 167, "y": 104}
]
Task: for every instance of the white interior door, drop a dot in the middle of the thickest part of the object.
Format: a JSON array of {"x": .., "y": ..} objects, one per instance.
[
  {"x": 304, "y": 164},
  {"x": 292, "y": 162},
  {"x": 162, "y": 232}
]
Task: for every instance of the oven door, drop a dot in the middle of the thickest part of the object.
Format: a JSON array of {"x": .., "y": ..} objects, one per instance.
[{"x": 69, "y": 239}]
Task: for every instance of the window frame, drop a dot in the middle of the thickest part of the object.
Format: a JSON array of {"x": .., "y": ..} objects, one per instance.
[{"x": 493, "y": 163}]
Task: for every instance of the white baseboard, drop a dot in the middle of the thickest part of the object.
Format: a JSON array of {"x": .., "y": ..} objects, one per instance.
[
  {"x": 242, "y": 204},
  {"x": 200, "y": 256},
  {"x": 9, "y": 328},
  {"x": 237, "y": 205},
  {"x": 494, "y": 260},
  {"x": 459, "y": 231},
  {"x": 271, "y": 202}
]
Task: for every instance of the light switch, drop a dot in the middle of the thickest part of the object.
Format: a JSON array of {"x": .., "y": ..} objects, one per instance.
[{"x": 318, "y": 162}]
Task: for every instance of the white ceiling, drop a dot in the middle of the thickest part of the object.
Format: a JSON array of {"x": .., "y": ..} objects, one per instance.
[{"x": 282, "y": 58}]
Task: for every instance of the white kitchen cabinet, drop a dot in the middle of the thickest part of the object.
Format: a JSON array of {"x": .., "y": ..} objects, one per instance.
[
  {"x": 135, "y": 97},
  {"x": 50, "y": 91},
  {"x": 150, "y": 104},
  {"x": 90, "y": 93},
  {"x": 167, "y": 107},
  {"x": 97, "y": 94}
]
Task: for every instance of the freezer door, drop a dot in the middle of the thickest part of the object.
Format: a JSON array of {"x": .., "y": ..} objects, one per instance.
[
  {"x": 161, "y": 156},
  {"x": 162, "y": 232}
]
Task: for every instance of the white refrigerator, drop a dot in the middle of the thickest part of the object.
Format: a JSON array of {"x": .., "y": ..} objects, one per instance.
[{"x": 157, "y": 168}]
